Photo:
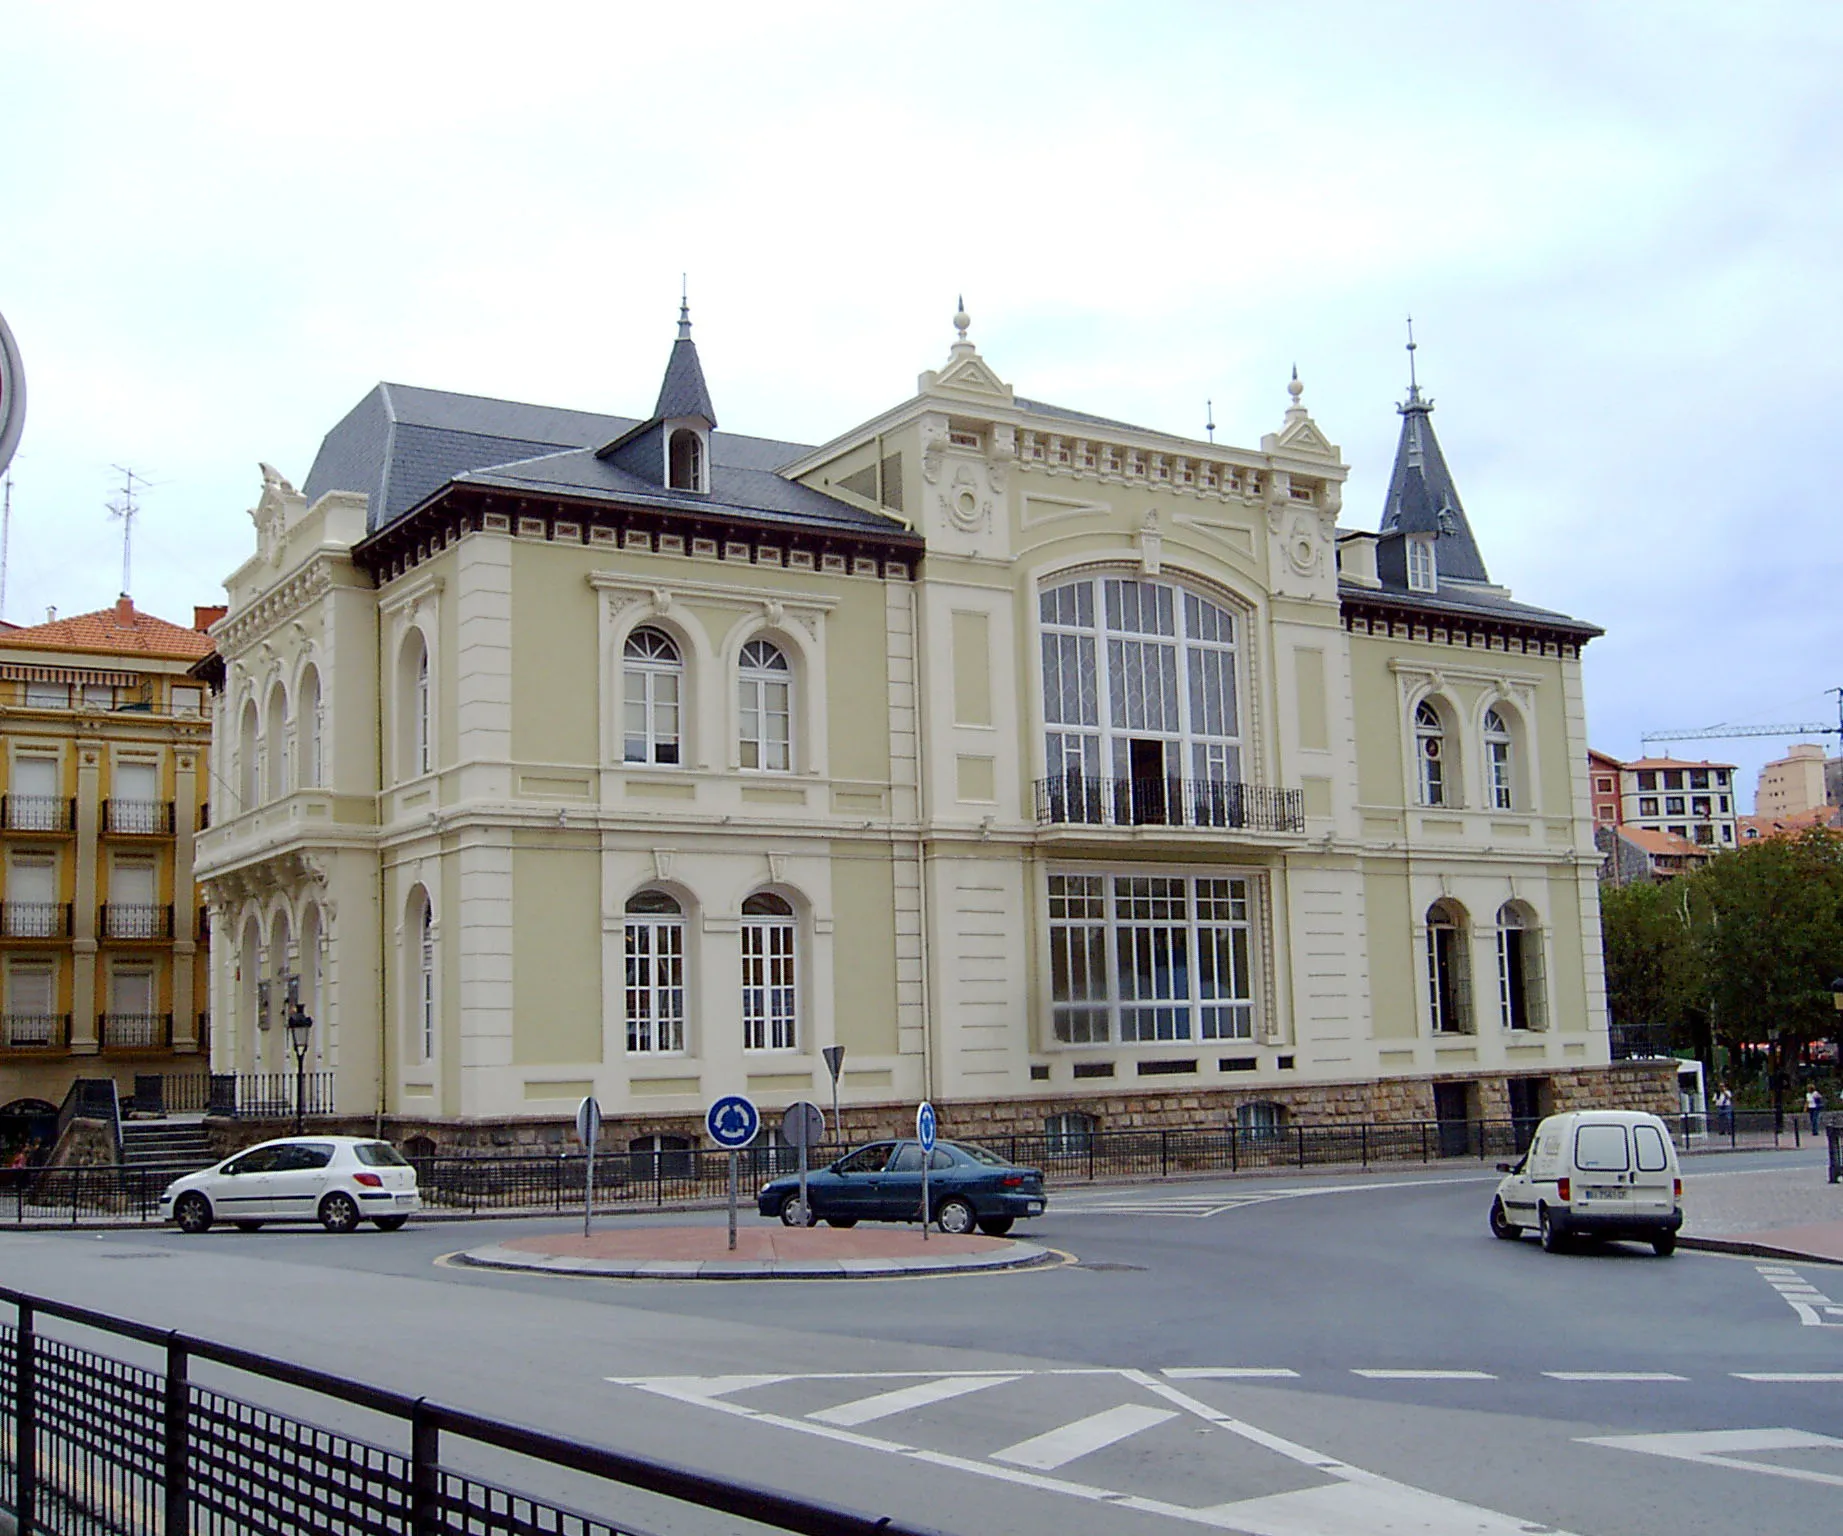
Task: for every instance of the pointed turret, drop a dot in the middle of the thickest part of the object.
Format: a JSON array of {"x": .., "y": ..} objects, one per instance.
[
  {"x": 683, "y": 395},
  {"x": 1422, "y": 500}
]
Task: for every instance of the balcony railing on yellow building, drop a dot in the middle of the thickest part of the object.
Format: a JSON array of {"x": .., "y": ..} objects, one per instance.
[
  {"x": 138, "y": 818},
  {"x": 134, "y": 1031},
  {"x": 35, "y": 1032},
  {"x": 134, "y": 920},
  {"x": 35, "y": 919},
  {"x": 1168, "y": 802},
  {"x": 37, "y": 813}
]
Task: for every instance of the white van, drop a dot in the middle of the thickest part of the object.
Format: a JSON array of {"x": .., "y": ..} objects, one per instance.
[{"x": 1594, "y": 1173}]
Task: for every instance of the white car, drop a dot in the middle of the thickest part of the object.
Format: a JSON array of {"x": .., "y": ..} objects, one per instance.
[
  {"x": 337, "y": 1181},
  {"x": 1594, "y": 1173}
]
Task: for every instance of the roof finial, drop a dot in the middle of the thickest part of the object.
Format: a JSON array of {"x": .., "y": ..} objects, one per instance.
[
  {"x": 684, "y": 307},
  {"x": 961, "y": 319},
  {"x": 1209, "y": 426},
  {"x": 1294, "y": 387},
  {"x": 1414, "y": 388}
]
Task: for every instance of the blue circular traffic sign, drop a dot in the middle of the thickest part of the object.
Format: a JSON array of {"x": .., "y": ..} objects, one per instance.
[
  {"x": 733, "y": 1122},
  {"x": 924, "y": 1127}
]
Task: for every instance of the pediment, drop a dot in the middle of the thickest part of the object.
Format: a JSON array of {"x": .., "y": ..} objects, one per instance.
[
  {"x": 972, "y": 376},
  {"x": 1304, "y": 437}
]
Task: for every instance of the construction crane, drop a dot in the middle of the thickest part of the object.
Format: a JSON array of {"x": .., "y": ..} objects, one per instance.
[{"x": 1728, "y": 732}]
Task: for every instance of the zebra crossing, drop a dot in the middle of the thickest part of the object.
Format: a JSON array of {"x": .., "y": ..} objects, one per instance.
[{"x": 1814, "y": 1308}]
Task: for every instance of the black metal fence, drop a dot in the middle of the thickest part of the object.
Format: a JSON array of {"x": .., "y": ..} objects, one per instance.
[{"x": 100, "y": 1444}]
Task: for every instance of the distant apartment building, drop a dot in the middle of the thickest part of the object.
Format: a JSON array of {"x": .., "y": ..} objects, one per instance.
[
  {"x": 1793, "y": 783},
  {"x": 1693, "y": 801},
  {"x": 103, "y": 789},
  {"x": 1603, "y": 787}
]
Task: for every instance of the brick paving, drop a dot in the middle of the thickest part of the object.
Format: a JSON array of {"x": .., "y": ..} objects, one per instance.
[{"x": 1779, "y": 1211}]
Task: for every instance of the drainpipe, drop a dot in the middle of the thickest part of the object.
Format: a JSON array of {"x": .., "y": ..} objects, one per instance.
[{"x": 380, "y": 927}]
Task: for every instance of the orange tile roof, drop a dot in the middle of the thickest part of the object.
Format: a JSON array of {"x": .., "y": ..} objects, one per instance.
[
  {"x": 1675, "y": 762},
  {"x": 1666, "y": 843},
  {"x": 118, "y": 631},
  {"x": 1755, "y": 827}
]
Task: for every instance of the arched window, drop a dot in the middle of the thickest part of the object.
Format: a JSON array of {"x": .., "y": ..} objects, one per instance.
[
  {"x": 422, "y": 1000},
  {"x": 764, "y": 688},
  {"x": 309, "y": 726},
  {"x": 1430, "y": 752},
  {"x": 654, "y": 683},
  {"x": 655, "y": 974},
  {"x": 1498, "y": 763},
  {"x": 1449, "y": 971},
  {"x": 687, "y": 455},
  {"x": 277, "y": 743},
  {"x": 1422, "y": 575},
  {"x": 1141, "y": 705},
  {"x": 1521, "y": 1000},
  {"x": 415, "y": 708},
  {"x": 249, "y": 762},
  {"x": 769, "y": 1021},
  {"x": 424, "y": 753}
]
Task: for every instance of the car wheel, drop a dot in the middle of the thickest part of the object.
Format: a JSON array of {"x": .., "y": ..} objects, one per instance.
[
  {"x": 954, "y": 1217},
  {"x": 844, "y": 1223},
  {"x": 995, "y": 1226},
  {"x": 249, "y": 1226},
  {"x": 792, "y": 1214},
  {"x": 388, "y": 1223},
  {"x": 1552, "y": 1239},
  {"x": 1664, "y": 1244},
  {"x": 193, "y": 1213},
  {"x": 339, "y": 1212},
  {"x": 1501, "y": 1225}
]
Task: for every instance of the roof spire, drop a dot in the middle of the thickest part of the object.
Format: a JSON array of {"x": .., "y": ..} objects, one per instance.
[
  {"x": 684, "y": 307},
  {"x": 1414, "y": 388},
  {"x": 683, "y": 394}
]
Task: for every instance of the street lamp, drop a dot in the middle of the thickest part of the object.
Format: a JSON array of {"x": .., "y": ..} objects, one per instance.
[{"x": 300, "y": 1029}]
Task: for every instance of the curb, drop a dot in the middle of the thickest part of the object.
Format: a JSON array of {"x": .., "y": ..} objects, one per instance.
[
  {"x": 1753, "y": 1250},
  {"x": 498, "y": 1257}
]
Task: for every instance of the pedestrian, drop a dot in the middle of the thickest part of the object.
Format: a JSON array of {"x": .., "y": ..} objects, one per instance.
[
  {"x": 1724, "y": 1111},
  {"x": 1814, "y": 1102}
]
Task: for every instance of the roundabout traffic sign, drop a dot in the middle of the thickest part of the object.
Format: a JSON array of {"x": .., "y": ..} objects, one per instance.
[
  {"x": 733, "y": 1122},
  {"x": 924, "y": 1127}
]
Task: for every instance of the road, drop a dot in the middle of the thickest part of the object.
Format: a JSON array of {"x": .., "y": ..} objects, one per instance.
[{"x": 1284, "y": 1357}]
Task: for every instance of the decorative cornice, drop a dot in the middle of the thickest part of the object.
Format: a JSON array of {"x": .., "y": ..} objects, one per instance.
[{"x": 238, "y": 632}]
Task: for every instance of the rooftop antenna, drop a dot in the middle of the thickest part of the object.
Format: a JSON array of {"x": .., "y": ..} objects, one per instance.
[
  {"x": 1209, "y": 425},
  {"x": 125, "y": 508}
]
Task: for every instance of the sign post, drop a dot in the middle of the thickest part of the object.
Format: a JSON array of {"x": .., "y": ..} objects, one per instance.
[
  {"x": 588, "y": 1132},
  {"x": 924, "y": 1133},
  {"x": 732, "y": 1123},
  {"x": 835, "y": 1060},
  {"x": 804, "y": 1125}
]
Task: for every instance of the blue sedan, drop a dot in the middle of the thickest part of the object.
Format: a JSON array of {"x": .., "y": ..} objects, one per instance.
[{"x": 967, "y": 1187}]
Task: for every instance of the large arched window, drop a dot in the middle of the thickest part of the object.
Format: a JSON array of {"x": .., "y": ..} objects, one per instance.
[
  {"x": 764, "y": 734},
  {"x": 1449, "y": 969},
  {"x": 277, "y": 748},
  {"x": 769, "y": 1016},
  {"x": 249, "y": 760},
  {"x": 1430, "y": 753},
  {"x": 416, "y": 708},
  {"x": 654, "y": 681},
  {"x": 1521, "y": 1000},
  {"x": 655, "y": 974},
  {"x": 421, "y": 929},
  {"x": 1499, "y": 762},
  {"x": 687, "y": 460},
  {"x": 309, "y": 727},
  {"x": 1141, "y": 704}
]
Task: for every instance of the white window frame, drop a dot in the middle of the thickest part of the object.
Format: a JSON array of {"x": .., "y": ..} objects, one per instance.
[
  {"x": 422, "y": 719},
  {"x": 425, "y": 982},
  {"x": 660, "y": 731},
  {"x": 770, "y": 983},
  {"x": 764, "y": 702},
  {"x": 655, "y": 980},
  {"x": 1500, "y": 761},
  {"x": 1430, "y": 752},
  {"x": 1423, "y": 570},
  {"x": 1520, "y": 972},
  {"x": 1463, "y": 1017},
  {"x": 1208, "y": 925},
  {"x": 41, "y": 694}
]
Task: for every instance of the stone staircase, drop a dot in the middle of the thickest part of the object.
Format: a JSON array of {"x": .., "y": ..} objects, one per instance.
[{"x": 177, "y": 1144}]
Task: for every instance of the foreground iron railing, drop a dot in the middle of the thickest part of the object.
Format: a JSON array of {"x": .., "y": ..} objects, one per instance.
[
  {"x": 269, "y": 1095},
  {"x": 100, "y": 1444},
  {"x": 1169, "y": 802}
]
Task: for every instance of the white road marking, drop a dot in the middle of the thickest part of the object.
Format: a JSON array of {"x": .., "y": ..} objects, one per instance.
[
  {"x": 1814, "y": 1308},
  {"x": 1820, "y": 1376},
  {"x": 1064, "y": 1444},
  {"x": 1379, "y": 1375},
  {"x": 1724, "y": 1448},
  {"x": 1166, "y": 1202},
  {"x": 865, "y": 1409},
  {"x": 1226, "y": 1372},
  {"x": 1614, "y": 1376}
]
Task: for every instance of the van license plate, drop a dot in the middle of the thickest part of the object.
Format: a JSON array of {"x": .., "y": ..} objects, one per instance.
[{"x": 1603, "y": 1194}]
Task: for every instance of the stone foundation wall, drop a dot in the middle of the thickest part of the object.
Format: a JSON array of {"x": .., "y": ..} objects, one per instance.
[{"x": 1647, "y": 1085}]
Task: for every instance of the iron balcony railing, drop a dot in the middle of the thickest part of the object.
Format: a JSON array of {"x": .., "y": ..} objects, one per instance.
[
  {"x": 37, "y": 813},
  {"x": 134, "y": 1031},
  {"x": 269, "y": 1095},
  {"x": 1077, "y": 798},
  {"x": 134, "y": 920},
  {"x": 34, "y": 1031},
  {"x": 1635, "y": 1042},
  {"x": 138, "y": 818},
  {"x": 35, "y": 919}
]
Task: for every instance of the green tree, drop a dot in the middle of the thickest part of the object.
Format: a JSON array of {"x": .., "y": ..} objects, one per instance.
[
  {"x": 1768, "y": 922},
  {"x": 1653, "y": 967}
]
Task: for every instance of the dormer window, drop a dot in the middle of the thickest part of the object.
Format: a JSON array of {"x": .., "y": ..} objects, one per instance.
[
  {"x": 686, "y": 455},
  {"x": 1421, "y": 576}
]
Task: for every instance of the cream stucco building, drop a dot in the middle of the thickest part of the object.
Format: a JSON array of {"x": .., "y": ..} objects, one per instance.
[{"x": 1063, "y": 771}]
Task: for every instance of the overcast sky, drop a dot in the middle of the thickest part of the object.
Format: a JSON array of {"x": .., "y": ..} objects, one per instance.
[{"x": 1617, "y": 227}]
